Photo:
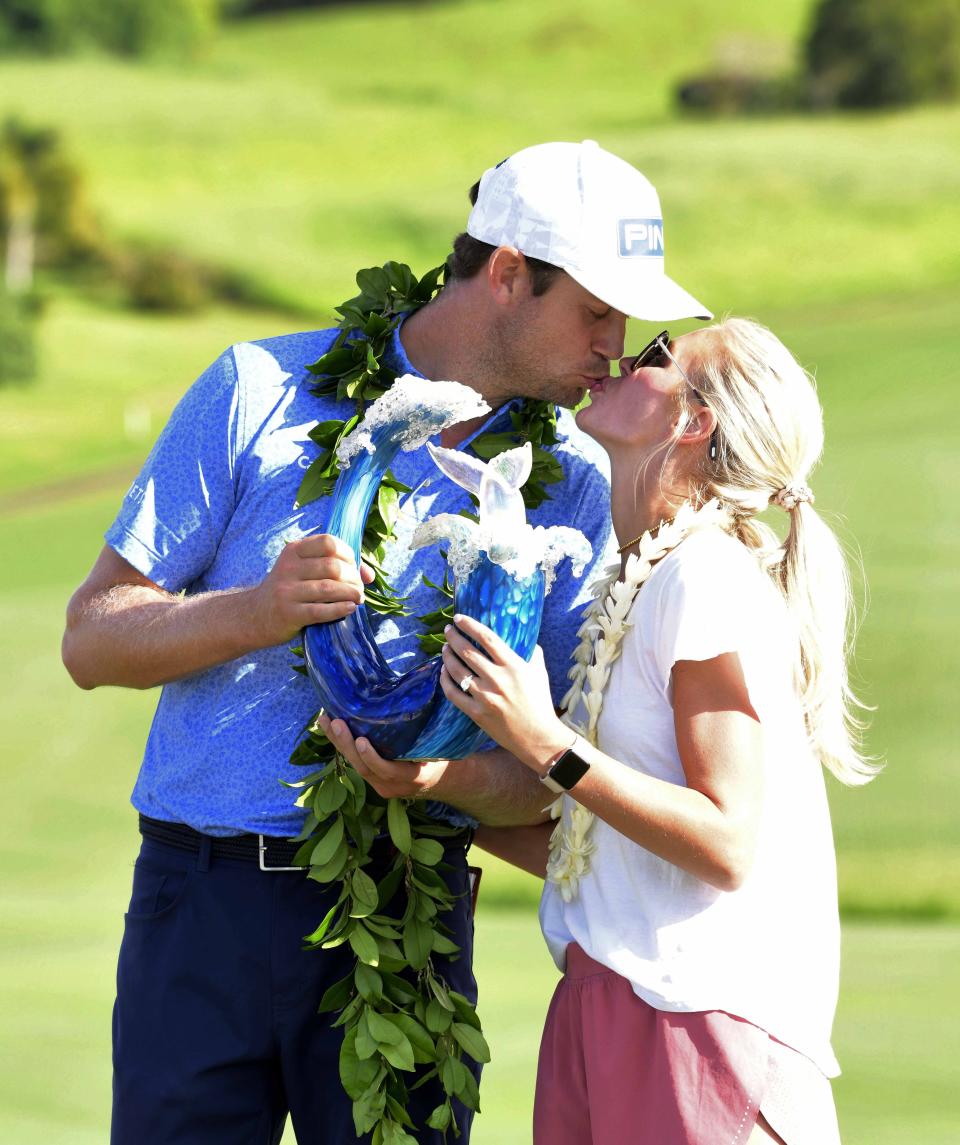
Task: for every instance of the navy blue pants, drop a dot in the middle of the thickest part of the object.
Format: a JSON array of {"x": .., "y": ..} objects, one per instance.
[{"x": 216, "y": 1033}]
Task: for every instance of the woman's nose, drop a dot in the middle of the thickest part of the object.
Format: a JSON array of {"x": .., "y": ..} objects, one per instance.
[{"x": 626, "y": 365}]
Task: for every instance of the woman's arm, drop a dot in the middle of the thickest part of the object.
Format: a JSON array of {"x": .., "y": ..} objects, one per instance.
[{"x": 709, "y": 827}]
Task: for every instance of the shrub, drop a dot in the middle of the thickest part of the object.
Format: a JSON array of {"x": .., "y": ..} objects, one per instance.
[
  {"x": 735, "y": 93},
  {"x": 872, "y": 53},
  {"x": 126, "y": 27},
  {"x": 164, "y": 279}
]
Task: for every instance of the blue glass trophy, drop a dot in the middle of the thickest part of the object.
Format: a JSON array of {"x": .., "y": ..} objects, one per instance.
[{"x": 502, "y": 569}]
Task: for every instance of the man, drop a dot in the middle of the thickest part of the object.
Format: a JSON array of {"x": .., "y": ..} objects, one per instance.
[{"x": 210, "y": 571}]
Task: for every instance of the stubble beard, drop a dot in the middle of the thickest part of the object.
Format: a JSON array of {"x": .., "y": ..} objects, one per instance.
[{"x": 513, "y": 367}]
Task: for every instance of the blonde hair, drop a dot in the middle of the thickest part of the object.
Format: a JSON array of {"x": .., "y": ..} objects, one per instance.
[{"x": 769, "y": 436}]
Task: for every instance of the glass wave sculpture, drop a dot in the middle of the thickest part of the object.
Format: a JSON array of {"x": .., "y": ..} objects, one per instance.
[{"x": 502, "y": 569}]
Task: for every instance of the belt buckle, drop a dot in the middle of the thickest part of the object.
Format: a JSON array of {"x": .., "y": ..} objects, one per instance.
[{"x": 261, "y": 855}]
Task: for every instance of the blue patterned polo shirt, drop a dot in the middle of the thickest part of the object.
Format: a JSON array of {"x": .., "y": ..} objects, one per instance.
[{"x": 212, "y": 508}]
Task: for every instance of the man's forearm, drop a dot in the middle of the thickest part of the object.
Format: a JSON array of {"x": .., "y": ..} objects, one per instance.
[
  {"x": 138, "y": 637},
  {"x": 525, "y": 847},
  {"x": 123, "y": 628},
  {"x": 494, "y": 788}
]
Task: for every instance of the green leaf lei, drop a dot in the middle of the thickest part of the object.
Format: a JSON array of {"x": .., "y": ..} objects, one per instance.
[{"x": 397, "y": 1013}]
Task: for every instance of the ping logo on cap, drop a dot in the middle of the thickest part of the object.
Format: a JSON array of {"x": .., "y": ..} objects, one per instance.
[{"x": 640, "y": 238}]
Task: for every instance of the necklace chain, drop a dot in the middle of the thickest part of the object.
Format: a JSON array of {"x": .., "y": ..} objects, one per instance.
[{"x": 663, "y": 524}]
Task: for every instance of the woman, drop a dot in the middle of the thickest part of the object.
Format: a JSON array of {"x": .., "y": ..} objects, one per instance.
[{"x": 691, "y": 892}]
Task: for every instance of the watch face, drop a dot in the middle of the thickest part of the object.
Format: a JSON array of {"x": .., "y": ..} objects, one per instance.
[{"x": 569, "y": 769}]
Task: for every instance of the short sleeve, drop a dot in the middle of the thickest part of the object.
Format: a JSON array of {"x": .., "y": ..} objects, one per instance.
[
  {"x": 702, "y": 610},
  {"x": 177, "y": 509}
]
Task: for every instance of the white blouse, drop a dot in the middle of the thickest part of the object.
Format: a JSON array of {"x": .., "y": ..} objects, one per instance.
[{"x": 768, "y": 951}]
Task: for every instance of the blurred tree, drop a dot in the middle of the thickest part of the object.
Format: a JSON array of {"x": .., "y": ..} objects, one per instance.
[
  {"x": 44, "y": 214},
  {"x": 18, "y": 196},
  {"x": 18, "y": 212},
  {"x": 18, "y": 356},
  {"x": 871, "y": 53},
  {"x": 126, "y": 27},
  {"x": 46, "y": 222}
]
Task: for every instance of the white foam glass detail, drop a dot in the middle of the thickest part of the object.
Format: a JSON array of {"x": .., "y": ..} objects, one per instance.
[
  {"x": 418, "y": 408},
  {"x": 503, "y": 533}
]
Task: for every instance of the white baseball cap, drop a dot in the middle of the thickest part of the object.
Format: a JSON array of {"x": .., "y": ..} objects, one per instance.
[{"x": 578, "y": 207}]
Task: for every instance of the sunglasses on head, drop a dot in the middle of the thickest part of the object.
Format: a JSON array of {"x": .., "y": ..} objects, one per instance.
[{"x": 657, "y": 353}]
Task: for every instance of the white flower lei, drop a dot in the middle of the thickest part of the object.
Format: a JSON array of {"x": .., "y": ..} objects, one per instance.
[{"x": 601, "y": 635}]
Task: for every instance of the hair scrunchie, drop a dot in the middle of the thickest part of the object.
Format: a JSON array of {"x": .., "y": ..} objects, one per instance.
[{"x": 790, "y": 496}]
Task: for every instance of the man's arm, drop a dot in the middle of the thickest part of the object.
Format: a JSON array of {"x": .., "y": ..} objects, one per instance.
[
  {"x": 525, "y": 847},
  {"x": 124, "y": 629},
  {"x": 491, "y": 786}
]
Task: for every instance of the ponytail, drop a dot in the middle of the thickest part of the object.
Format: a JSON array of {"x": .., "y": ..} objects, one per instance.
[
  {"x": 815, "y": 582},
  {"x": 769, "y": 437}
]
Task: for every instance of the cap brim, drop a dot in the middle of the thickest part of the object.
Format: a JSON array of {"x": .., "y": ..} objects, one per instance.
[{"x": 653, "y": 297}]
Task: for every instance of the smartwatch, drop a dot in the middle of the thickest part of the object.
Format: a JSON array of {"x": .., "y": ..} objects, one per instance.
[{"x": 566, "y": 770}]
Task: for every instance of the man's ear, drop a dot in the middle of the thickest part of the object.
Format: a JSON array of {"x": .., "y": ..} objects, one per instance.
[{"x": 507, "y": 275}]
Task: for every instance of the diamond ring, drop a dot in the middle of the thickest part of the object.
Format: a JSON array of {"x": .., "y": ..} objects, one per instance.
[{"x": 465, "y": 683}]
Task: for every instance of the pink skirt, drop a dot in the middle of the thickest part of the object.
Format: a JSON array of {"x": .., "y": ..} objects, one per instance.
[{"x": 615, "y": 1071}]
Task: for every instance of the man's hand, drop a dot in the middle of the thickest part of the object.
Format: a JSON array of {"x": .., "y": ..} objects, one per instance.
[
  {"x": 124, "y": 629},
  {"x": 393, "y": 779},
  {"x": 491, "y": 786},
  {"x": 314, "y": 580}
]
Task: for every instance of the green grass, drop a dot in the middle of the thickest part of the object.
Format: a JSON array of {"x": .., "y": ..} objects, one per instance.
[
  {"x": 66, "y": 842},
  {"x": 108, "y": 381},
  {"x": 896, "y": 1032},
  {"x": 303, "y": 147},
  {"x": 895, "y": 1035},
  {"x": 70, "y": 759},
  {"x": 888, "y": 485},
  {"x": 306, "y": 146}
]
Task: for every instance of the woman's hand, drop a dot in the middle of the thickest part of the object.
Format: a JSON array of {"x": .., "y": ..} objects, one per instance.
[{"x": 507, "y": 697}]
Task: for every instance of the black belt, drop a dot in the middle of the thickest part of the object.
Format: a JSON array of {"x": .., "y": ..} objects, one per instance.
[{"x": 270, "y": 852}]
